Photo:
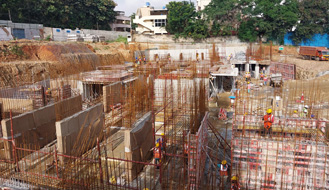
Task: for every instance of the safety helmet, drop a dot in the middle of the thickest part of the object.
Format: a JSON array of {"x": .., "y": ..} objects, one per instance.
[
  {"x": 312, "y": 116},
  {"x": 234, "y": 178},
  {"x": 248, "y": 82},
  {"x": 157, "y": 145},
  {"x": 306, "y": 106},
  {"x": 266, "y": 75},
  {"x": 162, "y": 134},
  {"x": 295, "y": 111},
  {"x": 146, "y": 189},
  {"x": 305, "y": 111},
  {"x": 269, "y": 110},
  {"x": 224, "y": 162}
]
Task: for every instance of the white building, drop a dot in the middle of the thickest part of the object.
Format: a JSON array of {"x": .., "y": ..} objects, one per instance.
[
  {"x": 151, "y": 20},
  {"x": 201, "y": 4}
]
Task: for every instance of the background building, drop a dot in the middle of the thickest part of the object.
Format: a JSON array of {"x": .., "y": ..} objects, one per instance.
[
  {"x": 151, "y": 20},
  {"x": 121, "y": 23},
  {"x": 201, "y": 4}
]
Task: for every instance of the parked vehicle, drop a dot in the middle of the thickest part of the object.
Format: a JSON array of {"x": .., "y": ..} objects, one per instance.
[
  {"x": 317, "y": 53},
  {"x": 276, "y": 80}
]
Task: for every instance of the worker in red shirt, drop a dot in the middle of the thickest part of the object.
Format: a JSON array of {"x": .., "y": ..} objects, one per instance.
[{"x": 268, "y": 121}]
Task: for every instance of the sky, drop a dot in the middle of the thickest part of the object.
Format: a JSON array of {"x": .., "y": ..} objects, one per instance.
[{"x": 131, "y": 6}]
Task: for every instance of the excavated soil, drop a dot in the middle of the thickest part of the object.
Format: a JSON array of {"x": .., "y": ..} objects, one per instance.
[{"x": 43, "y": 60}]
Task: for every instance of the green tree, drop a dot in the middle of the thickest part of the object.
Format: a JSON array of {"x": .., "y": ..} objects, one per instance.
[
  {"x": 184, "y": 21},
  {"x": 224, "y": 15},
  {"x": 269, "y": 18},
  {"x": 179, "y": 16},
  {"x": 313, "y": 19},
  {"x": 73, "y": 14},
  {"x": 133, "y": 25}
]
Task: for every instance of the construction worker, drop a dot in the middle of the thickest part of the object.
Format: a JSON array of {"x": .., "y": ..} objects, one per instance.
[
  {"x": 161, "y": 141},
  {"x": 157, "y": 154},
  {"x": 249, "y": 87},
  {"x": 139, "y": 60},
  {"x": 186, "y": 153},
  {"x": 234, "y": 183},
  {"x": 223, "y": 168},
  {"x": 295, "y": 114},
  {"x": 144, "y": 59},
  {"x": 268, "y": 120},
  {"x": 246, "y": 76},
  {"x": 305, "y": 111},
  {"x": 263, "y": 70},
  {"x": 265, "y": 80},
  {"x": 169, "y": 59},
  {"x": 261, "y": 76}
]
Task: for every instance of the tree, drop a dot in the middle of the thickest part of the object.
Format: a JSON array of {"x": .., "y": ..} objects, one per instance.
[
  {"x": 133, "y": 25},
  {"x": 269, "y": 18},
  {"x": 224, "y": 16},
  {"x": 179, "y": 16},
  {"x": 313, "y": 19},
  {"x": 184, "y": 21},
  {"x": 73, "y": 14}
]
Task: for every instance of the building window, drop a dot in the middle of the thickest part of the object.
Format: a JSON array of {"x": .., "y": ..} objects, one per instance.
[{"x": 160, "y": 22}]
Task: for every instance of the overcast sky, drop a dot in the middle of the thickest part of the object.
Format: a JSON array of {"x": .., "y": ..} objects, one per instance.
[{"x": 131, "y": 6}]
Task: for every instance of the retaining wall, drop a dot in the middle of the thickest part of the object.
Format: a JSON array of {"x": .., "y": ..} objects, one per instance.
[
  {"x": 36, "y": 128},
  {"x": 138, "y": 143},
  {"x": 78, "y": 133}
]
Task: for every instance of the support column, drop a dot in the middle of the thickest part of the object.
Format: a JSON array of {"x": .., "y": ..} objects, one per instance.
[
  {"x": 247, "y": 67},
  {"x": 257, "y": 71}
]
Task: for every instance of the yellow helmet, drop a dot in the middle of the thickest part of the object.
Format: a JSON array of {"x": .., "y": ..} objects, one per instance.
[
  {"x": 269, "y": 110},
  {"x": 145, "y": 189},
  {"x": 162, "y": 134},
  {"x": 234, "y": 178},
  {"x": 248, "y": 82},
  {"x": 224, "y": 162},
  {"x": 113, "y": 180},
  {"x": 295, "y": 111},
  {"x": 157, "y": 145}
]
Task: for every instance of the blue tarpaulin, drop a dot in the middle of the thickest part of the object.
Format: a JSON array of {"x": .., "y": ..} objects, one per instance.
[{"x": 317, "y": 40}]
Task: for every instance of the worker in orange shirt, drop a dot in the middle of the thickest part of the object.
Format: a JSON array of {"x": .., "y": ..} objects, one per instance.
[
  {"x": 157, "y": 154},
  {"x": 268, "y": 121}
]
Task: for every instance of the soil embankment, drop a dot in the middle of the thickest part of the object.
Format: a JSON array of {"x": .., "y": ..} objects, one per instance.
[{"x": 26, "y": 61}]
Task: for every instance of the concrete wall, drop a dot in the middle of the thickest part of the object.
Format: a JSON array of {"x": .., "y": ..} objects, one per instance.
[
  {"x": 5, "y": 34},
  {"x": 58, "y": 34},
  {"x": 111, "y": 95},
  {"x": 186, "y": 87},
  {"x": 166, "y": 39},
  {"x": 36, "y": 128},
  {"x": 138, "y": 143},
  {"x": 30, "y": 30},
  {"x": 78, "y": 133},
  {"x": 68, "y": 107}
]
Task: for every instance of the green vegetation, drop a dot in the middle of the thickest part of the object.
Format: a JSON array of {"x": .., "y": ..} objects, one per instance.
[
  {"x": 314, "y": 18},
  {"x": 133, "y": 25},
  {"x": 250, "y": 19},
  {"x": 184, "y": 21},
  {"x": 91, "y": 14}
]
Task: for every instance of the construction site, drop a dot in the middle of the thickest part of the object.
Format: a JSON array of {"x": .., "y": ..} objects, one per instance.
[{"x": 90, "y": 116}]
